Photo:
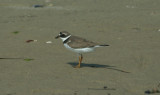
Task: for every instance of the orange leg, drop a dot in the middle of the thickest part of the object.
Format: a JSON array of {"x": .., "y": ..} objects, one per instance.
[{"x": 80, "y": 61}]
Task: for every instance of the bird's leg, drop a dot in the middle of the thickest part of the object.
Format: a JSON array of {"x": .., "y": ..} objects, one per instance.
[{"x": 80, "y": 60}]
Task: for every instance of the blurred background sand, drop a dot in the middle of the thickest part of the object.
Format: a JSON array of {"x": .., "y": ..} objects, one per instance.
[{"x": 130, "y": 27}]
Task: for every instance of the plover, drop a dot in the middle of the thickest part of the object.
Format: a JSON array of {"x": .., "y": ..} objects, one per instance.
[{"x": 78, "y": 44}]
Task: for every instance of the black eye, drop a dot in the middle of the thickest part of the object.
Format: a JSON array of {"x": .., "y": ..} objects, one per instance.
[{"x": 62, "y": 35}]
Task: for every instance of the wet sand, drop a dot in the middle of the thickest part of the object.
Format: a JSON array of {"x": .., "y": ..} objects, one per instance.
[{"x": 129, "y": 66}]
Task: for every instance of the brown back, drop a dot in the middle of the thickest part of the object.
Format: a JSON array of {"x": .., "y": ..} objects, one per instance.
[{"x": 77, "y": 42}]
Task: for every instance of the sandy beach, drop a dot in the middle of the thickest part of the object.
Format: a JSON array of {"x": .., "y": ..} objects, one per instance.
[{"x": 129, "y": 66}]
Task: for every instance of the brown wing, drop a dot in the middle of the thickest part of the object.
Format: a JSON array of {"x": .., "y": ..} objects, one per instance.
[{"x": 77, "y": 42}]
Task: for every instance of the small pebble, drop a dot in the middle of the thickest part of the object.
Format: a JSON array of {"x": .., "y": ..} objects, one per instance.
[
  {"x": 28, "y": 41},
  {"x": 49, "y": 42}
]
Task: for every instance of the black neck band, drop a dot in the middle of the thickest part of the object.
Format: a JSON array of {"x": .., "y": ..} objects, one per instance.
[{"x": 65, "y": 41}]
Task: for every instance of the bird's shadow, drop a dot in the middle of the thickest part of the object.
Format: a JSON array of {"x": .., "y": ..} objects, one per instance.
[{"x": 73, "y": 64}]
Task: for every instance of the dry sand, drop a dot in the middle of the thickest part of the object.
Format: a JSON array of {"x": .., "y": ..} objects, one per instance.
[{"x": 130, "y": 27}]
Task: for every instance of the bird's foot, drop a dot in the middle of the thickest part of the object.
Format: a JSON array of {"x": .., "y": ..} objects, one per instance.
[{"x": 78, "y": 66}]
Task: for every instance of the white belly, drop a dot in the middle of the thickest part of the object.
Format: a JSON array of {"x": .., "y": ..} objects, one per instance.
[{"x": 79, "y": 50}]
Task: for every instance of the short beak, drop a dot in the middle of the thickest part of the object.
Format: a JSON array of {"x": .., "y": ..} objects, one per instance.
[{"x": 57, "y": 37}]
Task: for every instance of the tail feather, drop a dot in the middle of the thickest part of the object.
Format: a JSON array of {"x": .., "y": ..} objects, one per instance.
[{"x": 101, "y": 45}]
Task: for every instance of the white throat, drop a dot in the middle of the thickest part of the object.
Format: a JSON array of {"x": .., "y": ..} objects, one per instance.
[{"x": 63, "y": 39}]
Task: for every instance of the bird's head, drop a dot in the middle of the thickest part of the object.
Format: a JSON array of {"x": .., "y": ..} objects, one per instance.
[{"x": 63, "y": 35}]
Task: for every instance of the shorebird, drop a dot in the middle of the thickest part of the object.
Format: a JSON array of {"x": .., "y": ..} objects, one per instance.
[{"x": 78, "y": 44}]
